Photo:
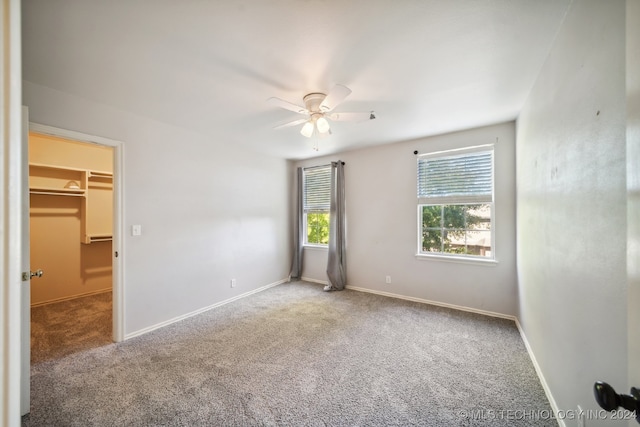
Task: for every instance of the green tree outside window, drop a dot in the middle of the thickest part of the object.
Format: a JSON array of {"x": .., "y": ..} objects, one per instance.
[
  {"x": 318, "y": 228},
  {"x": 456, "y": 229}
]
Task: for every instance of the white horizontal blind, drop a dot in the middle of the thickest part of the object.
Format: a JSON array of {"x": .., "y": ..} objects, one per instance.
[
  {"x": 456, "y": 176},
  {"x": 317, "y": 189}
]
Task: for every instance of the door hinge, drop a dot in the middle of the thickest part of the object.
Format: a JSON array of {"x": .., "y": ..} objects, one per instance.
[{"x": 116, "y": 254}]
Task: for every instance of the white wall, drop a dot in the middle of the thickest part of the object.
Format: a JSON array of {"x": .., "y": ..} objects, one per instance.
[
  {"x": 572, "y": 207},
  {"x": 382, "y": 225},
  {"x": 209, "y": 211},
  {"x": 633, "y": 187}
]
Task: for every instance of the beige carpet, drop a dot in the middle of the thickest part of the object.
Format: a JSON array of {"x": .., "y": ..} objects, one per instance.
[
  {"x": 294, "y": 355},
  {"x": 72, "y": 326}
]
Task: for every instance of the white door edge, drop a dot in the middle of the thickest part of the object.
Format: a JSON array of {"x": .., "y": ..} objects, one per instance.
[
  {"x": 10, "y": 212},
  {"x": 25, "y": 289}
]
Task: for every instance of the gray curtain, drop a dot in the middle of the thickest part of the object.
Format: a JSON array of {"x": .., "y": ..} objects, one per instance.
[
  {"x": 337, "y": 264},
  {"x": 298, "y": 242}
]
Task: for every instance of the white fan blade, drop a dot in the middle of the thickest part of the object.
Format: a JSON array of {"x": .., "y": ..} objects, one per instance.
[
  {"x": 289, "y": 124},
  {"x": 287, "y": 105},
  {"x": 335, "y": 97},
  {"x": 352, "y": 117}
]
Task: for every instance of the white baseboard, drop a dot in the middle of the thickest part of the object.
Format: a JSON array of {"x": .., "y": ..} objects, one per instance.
[
  {"x": 436, "y": 303},
  {"x": 201, "y": 310},
  {"x": 543, "y": 381},
  {"x": 420, "y": 300},
  {"x": 71, "y": 297},
  {"x": 321, "y": 282}
]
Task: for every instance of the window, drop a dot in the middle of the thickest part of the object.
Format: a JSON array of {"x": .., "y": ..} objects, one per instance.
[
  {"x": 316, "y": 204},
  {"x": 455, "y": 203}
]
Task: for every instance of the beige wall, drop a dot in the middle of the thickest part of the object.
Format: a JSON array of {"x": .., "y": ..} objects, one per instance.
[{"x": 70, "y": 267}]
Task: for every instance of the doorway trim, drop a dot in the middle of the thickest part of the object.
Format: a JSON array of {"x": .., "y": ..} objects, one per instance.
[{"x": 118, "y": 209}]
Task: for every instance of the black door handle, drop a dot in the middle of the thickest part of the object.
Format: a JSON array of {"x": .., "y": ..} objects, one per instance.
[{"x": 609, "y": 400}]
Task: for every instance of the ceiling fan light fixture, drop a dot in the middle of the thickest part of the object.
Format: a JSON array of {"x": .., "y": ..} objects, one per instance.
[
  {"x": 318, "y": 109},
  {"x": 323, "y": 125},
  {"x": 307, "y": 129}
]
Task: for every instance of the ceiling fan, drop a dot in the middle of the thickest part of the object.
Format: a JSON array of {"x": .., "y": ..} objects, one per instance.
[{"x": 317, "y": 109}]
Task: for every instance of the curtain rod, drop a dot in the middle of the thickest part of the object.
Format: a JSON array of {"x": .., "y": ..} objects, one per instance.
[{"x": 322, "y": 166}]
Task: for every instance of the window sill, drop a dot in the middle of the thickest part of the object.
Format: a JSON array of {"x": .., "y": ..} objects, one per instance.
[
  {"x": 316, "y": 247},
  {"x": 458, "y": 260}
]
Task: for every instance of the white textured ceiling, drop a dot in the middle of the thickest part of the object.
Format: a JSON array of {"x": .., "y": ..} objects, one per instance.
[{"x": 425, "y": 66}]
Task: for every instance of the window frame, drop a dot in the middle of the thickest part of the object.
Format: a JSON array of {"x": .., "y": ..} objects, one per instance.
[
  {"x": 306, "y": 210},
  {"x": 456, "y": 200}
]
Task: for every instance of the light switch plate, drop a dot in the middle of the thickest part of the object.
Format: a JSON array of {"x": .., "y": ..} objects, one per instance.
[{"x": 136, "y": 230}]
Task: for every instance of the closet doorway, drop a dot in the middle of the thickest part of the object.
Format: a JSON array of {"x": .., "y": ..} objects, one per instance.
[{"x": 71, "y": 192}]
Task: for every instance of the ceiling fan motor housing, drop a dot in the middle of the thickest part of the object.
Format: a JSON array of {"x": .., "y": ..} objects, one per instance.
[{"x": 312, "y": 101}]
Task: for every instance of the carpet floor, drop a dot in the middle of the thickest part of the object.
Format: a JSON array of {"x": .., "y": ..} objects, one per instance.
[
  {"x": 296, "y": 356},
  {"x": 63, "y": 328}
]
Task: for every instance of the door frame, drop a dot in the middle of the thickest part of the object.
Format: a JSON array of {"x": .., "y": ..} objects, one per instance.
[
  {"x": 10, "y": 212},
  {"x": 118, "y": 209}
]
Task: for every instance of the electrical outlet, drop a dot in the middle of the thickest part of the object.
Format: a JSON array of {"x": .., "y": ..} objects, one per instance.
[
  {"x": 387, "y": 279},
  {"x": 233, "y": 283}
]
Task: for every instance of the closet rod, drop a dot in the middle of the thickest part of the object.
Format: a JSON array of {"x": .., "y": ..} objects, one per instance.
[{"x": 53, "y": 193}]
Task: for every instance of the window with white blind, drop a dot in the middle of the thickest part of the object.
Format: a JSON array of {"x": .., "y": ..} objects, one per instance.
[
  {"x": 316, "y": 204},
  {"x": 455, "y": 203}
]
